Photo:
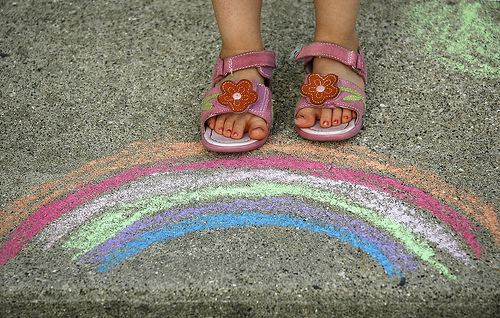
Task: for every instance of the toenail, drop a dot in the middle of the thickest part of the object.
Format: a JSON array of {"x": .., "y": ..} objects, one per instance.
[
  {"x": 229, "y": 131},
  {"x": 346, "y": 117},
  {"x": 336, "y": 121},
  {"x": 235, "y": 134},
  {"x": 325, "y": 123}
]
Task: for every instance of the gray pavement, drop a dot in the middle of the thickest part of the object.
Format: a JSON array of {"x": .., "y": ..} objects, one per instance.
[{"x": 98, "y": 97}]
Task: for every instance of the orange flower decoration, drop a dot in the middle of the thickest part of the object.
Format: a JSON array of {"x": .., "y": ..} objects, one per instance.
[
  {"x": 320, "y": 88},
  {"x": 237, "y": 96}
]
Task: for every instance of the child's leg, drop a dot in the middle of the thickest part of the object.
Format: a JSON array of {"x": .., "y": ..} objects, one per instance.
[
  {"x": 335, "y": 23},
  {"x": 239, "y": 26}
]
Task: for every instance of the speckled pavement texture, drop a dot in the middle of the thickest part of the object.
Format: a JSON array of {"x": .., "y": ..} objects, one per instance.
[{"x": 110, "y": 205}]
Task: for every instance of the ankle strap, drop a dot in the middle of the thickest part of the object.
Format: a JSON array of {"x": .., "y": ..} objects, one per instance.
[
  {"x": 263, "y": 60},
  {"x": 332, "y": 51}
]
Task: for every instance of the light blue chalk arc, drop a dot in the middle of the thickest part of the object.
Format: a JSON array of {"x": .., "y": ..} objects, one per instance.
[{"x": 241, "y": 220}]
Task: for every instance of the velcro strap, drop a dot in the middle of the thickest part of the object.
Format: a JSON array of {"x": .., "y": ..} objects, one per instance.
[
  {"x": 332, "y": 51},
  {"x": 245, "y": 60}
]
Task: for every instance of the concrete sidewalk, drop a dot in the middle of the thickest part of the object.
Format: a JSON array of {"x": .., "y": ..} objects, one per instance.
[{"x": 110, "y": 206}]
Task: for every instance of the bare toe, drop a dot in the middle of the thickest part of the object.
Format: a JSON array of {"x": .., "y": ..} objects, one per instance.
[
  {"x": 257, "y": 128},
  {"x": 239, "y": 128},
  {"x": 219, "y": 124},
  {"x": 325, "y": 117},
  {"x": 336, "y": 116},
  {"x": 306, "y": 117},
  {"x": 211, "y": 122},
  {"x": 346, "y": 115},
  {"x": 228, "y": 126}
]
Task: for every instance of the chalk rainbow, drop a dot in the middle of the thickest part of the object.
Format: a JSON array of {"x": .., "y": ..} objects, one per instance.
[{"x": 112, "y": 209}]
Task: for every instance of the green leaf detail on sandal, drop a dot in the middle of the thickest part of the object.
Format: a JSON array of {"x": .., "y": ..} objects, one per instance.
[
  {"x": 354, "y": 97},
  {"x": 207, "y": 105},
  {"x": 351, "y": 98}
]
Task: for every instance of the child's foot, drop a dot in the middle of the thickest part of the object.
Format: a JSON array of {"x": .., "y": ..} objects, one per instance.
[
  {"x": 234, "y": 125},
  {"x": 329, "y": 117}
]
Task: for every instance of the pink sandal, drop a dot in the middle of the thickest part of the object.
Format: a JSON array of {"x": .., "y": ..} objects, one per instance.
[
  {"x": 328, "y": 91},
  {"x": 240, "y": 96}
]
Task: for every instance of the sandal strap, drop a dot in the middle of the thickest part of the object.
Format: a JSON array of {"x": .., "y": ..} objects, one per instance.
[
  {"x": 263, "y": 60},
  {"x": 332, "y": 51}
]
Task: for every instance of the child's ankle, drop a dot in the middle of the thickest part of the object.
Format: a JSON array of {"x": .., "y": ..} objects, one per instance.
[{"x": 350, "y": 42}]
